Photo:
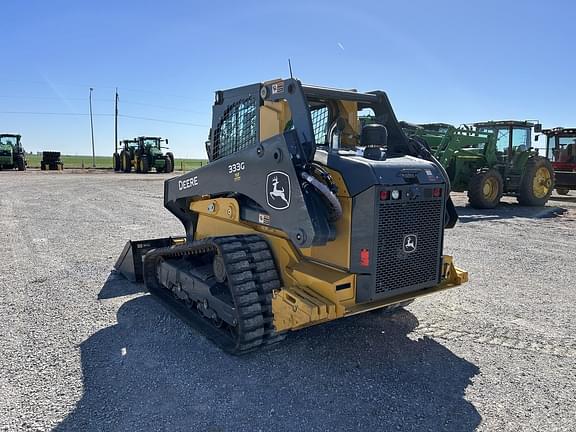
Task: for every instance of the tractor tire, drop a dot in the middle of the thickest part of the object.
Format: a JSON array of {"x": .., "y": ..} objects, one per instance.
[
  {"x": 168, "y": 164},
  {"x": 125, "y": 162},
  {"x": 20, "y": 164},
  {"x": 562, "y": 191},
  {"x": 485, "y": 189},
  {"x": 116, "y": 162},
  {"x": 171, "y": 157},
  {"x": 537, "y": 182},
  {"x": 143, "y": 165}
]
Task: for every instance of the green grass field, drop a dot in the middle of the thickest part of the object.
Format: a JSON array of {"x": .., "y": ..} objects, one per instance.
[{"x": 106, "y": 162}]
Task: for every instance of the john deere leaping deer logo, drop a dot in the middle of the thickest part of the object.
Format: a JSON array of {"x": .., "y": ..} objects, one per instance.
[
  {"x": 278, "y": 190},
  {"x": 410, "y": 243}
]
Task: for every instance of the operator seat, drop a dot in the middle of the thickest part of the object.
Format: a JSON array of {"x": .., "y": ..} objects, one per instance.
[
  {"x": 374, "y": 139},
  {"x": 565, "y": 154}
]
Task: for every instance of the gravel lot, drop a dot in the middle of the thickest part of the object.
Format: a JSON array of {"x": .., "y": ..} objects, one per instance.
[{"x": 83, "y": 349}]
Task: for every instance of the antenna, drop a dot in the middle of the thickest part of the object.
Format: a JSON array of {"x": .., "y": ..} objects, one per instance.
[{"x": 290, "y": 67}]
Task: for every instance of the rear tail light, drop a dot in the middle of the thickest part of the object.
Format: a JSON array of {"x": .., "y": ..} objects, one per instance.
[
  {"x": 384, "y": 195},
  {"x": 437, "y": 192}
]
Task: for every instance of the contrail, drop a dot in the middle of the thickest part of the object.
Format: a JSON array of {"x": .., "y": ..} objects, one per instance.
[{"x": 64, "y": 100}]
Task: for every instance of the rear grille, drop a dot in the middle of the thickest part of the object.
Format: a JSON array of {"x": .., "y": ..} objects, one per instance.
[{"x": 395, "y": 268}]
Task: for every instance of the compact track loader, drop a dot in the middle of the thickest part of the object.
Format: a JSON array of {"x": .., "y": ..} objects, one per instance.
[{"x": 301, "y": 216}]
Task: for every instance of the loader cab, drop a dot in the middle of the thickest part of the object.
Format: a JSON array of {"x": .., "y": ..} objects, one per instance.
[{"x": 323, "y": 118}]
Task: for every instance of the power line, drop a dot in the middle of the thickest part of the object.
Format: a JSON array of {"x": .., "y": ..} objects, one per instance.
[
  {"x": 95, "y": 87},
  {"x": 161, "y": 120},
  {"x": 101, "y": 100},
  {"x": 103, "y": 115},
  {"x": 53, "y": 113}
]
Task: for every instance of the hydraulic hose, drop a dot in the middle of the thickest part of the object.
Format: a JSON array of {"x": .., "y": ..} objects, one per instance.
[{"x": 326, "y": 193}]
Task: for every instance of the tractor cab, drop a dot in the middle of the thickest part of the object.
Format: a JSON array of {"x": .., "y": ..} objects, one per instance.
[
  {"x": 150, "y": 145},
  {"x": 513, "y": 139},
  {"x": 561, "y": 150},
  {"x": 11, "y": 140}
]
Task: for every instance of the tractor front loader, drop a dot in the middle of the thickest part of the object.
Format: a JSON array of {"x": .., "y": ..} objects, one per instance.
[
  {"x": 301, "y": 216},
  {"x": 489, "y": 160}
]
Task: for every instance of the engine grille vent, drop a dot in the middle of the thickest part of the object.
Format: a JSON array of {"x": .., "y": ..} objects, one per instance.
[{"x": 396, "y": 268}]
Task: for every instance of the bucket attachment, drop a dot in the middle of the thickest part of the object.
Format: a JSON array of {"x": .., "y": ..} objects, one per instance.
[{"x": 129, "y": 264}]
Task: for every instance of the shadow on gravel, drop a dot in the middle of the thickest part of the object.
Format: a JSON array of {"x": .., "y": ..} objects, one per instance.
[
  {"x": 506, "y": 211},
  {"x": 151, "y": 372},
  {"x": 117, "y": 286}
]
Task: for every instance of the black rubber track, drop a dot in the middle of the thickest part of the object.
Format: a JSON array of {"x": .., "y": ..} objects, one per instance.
[{"x": 251, "y": 277}]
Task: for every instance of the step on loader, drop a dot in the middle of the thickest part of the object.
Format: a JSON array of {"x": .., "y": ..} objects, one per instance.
[{"x": 301, "y": 216}]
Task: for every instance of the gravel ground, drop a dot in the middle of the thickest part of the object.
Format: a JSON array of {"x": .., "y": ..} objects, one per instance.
[{"x": 82, "y": 349}]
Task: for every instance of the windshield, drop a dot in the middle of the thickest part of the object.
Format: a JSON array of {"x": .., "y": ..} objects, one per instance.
[
  {"x": 566, "y": 150},
  {"x": 152, "y": 142},
  {"x": 8, "y": 140},
  {"x": 502, "y": 137}
]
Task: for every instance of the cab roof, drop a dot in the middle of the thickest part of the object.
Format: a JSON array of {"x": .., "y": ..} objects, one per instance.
[
  {"x": 560, "y": 131},
  {"x": 496, "y": 123},
  {"x": 11, "y": 135}
]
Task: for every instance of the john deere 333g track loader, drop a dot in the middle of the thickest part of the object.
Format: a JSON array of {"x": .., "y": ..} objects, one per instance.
[{"x": 301, "y": 216}]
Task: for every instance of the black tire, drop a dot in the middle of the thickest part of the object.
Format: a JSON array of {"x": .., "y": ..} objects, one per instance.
[
  {"x": 168, "y": 164},
  {"x": 125, "y": 162},
  {"x": 485, "y": 189},
  {"x": 537, "y": 182},
  {"x": 171, "y": 157},
  {"x": 143, "y": 165},
  {"x": 562, "y": 191},
  {"x": 20, "y": 163},
  {"x": 42, "y": 166},
  {"x": 116, "y": 162}
]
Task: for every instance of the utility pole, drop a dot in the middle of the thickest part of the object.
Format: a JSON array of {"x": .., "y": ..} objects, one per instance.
[
  {"x": 92, "y": 131},
  {"x": 116, "y": 122}
]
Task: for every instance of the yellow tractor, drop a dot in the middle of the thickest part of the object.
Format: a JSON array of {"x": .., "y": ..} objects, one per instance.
[{"x": 303, "y": 215}]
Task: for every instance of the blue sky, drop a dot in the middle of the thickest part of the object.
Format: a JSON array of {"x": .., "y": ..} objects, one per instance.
[{"x": 449, "y": 61}]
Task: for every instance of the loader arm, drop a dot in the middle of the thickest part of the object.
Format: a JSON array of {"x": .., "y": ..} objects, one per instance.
[{"x": 247, "y": 173}]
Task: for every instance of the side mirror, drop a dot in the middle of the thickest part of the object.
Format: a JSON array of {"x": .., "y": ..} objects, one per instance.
[
  {"x": 166, "y": 141},
  {"x": 538, "y": 128},
  {"x": 536, "y": 137}
]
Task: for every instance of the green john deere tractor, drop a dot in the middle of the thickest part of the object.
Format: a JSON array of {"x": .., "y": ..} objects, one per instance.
[
  {"x": 12, "y": 153},
  {"x": 126, "y": 155},
  {"x": 489, "y": 160},
  {"x": 142, "y": 154}
]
